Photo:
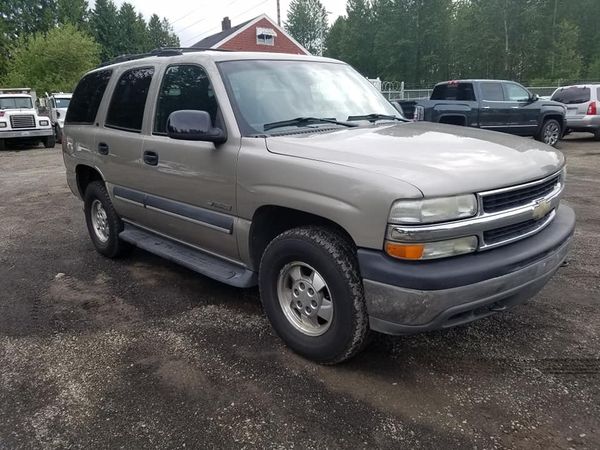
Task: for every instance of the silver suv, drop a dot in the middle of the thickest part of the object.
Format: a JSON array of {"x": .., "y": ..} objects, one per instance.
[
  {"x": 583, "y": 107},
  {"x": 293, "y": 173}
]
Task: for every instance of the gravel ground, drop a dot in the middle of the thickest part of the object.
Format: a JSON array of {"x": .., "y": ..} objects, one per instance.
[{"x": 141, "y": 352}]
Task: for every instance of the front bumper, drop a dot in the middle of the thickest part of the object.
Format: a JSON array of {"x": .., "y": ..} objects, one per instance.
[
  {"x": 26, "y": 134},
  {"x": 410, "y": 297}
]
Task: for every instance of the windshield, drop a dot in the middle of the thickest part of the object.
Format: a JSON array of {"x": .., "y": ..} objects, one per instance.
[
  {"x": 15, "y": 103},
  {"x": 62, "y": 102},
  {"x": 264, "y": 92}
]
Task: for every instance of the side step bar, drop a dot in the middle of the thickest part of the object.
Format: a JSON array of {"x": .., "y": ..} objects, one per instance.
[{"x": 194, "y": 259}]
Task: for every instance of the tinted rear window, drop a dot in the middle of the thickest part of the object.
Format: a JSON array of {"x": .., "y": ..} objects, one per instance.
[
  {"x": 492, "y": 92},
  {"x": 87, "y": 97},
  {"x": 453, "y": 91},
  {"x": 572, "y": 95},
  {"x": 126, "y": 110}
]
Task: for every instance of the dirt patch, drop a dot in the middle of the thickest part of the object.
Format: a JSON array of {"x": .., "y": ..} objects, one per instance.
[{"x": 140, "y": 352}]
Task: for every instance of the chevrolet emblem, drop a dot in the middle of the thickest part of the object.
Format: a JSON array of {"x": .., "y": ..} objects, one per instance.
[{"x": 541, "y": 209}]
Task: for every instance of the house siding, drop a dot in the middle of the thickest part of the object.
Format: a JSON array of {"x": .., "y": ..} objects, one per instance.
[{"x": 246, "y": 41}]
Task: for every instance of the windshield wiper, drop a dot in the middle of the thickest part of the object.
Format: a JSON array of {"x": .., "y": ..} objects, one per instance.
[
  {"x": 302, "y": 121},
  {"x": 375, "y": 117}
]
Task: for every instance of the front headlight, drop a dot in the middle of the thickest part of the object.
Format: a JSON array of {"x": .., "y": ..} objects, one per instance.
[
  {"x": 44, "y": 123},
  {"x": 432, "y": 250},
  {"x": 2, "y": 124},
  {"x": 433, "y": 210}
]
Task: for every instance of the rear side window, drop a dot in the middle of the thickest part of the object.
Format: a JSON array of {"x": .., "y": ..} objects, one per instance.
[
  {"x": 184, "y": 87},
  {"x": 492, "y": 92},
  {"x": 454, "y": 91},
  {"x": 126, "y": 110},
  {"x": 87, "y": 97},
  {"x": 572, "y": 95}
]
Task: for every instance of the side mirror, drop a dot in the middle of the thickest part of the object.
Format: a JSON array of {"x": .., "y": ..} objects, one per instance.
[
  {"x": 534, "y": 98},
  {"x": 192, "y": 125},
  {"x": 57, "y": 114}
]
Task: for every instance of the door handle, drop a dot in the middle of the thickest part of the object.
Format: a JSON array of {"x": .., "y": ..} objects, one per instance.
[
  {"x": 151, "y": 158},
  {"x": 103, "y": 148}
]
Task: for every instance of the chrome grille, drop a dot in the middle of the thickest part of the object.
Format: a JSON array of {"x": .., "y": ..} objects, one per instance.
[
  {"x": 518, "y": 197},
  {"x": 518, "y": 212},
  {"x": 513, "y": 231},
  {"x": 22, "y": 121}
]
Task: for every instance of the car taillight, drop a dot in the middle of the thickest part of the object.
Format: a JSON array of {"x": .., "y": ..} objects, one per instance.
[{"x": 592, "y": 109}]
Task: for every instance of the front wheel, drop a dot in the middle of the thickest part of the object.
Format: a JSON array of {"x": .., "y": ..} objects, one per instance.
[
  {"x": 58, "y": 133},
  {"x": 313, "y": 295},
  {"x": 550, "y": 132},
  {"x": 49, "y": 142}
]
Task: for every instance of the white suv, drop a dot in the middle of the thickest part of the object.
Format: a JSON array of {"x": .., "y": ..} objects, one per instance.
[
  {"x": 20, "y": 121},
  {"x": 583, "y": 107}
]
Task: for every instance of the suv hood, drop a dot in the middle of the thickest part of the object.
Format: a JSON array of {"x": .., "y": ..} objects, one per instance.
[{"x": 437, "y": 159}]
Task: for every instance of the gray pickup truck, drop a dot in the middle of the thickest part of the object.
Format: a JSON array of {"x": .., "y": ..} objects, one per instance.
[
  {"x": 294, "y": 174},
  {"x": 496, "y": 105}
]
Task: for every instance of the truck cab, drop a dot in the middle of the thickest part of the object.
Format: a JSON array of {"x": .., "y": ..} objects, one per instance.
[
  {"x": 20, "y": 121},
  {"x": 57, "y": 104}
]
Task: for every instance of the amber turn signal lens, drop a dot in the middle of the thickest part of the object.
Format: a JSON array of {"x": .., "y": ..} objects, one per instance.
[{"x": 404, "y": 251}]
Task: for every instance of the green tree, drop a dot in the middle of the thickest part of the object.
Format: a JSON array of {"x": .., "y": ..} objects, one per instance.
[
  {"x": 20, "y": 17},
  {"x": 104, "y": 26},
  {"x": 131, "y": 30},
  {"x": 568, "y": 65},
  {"x": 335, "y": 39},
  {"x": 593, "y": 70},
  {"x": 358, "y": 42},
  {"x": 160, "y": 33},
  {"x": 27, "y": 16},
  {"x": 54, "y": 61},
  {"x": 307, "y": 23},
  {"x": 74, "y": 12}
]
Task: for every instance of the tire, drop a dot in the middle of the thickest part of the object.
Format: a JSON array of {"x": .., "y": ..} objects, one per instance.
[
  {"x": 550, "y": 133},
  {"x": 49, "y": 142},
  {"x": 596, "y": 135},
  {"x": 101, "y": 215},
  {"x": 2, "y": 145},
  {"x": 58, "y": 133},
  {"x": 341, "y": 315}
]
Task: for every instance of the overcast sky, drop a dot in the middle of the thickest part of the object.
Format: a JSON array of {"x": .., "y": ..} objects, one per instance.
[{"x": 193, "y": 20}]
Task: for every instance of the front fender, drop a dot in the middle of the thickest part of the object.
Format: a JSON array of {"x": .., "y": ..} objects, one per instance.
[{"x": 357, "y": 200}]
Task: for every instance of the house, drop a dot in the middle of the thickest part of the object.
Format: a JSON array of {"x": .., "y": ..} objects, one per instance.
[{"x": 260, "y": 34}]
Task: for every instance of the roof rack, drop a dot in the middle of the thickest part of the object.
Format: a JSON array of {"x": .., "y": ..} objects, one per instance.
[{"x": 161, "y": 51}]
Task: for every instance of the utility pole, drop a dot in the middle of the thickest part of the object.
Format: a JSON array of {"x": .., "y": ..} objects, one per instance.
[{"x": 278, "y": 14}]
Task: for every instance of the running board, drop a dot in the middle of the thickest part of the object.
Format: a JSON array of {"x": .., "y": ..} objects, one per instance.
[{"x": 194, "y": 259}]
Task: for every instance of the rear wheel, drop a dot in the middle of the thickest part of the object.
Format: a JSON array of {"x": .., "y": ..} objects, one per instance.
[
  {"x": 49, "y": 142},
  {"x": 2, "y": 144},
  {"x": 550, "y": 132},
  {"x": 103, "y": 223},
  {"x": 313, "y": 294}
]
